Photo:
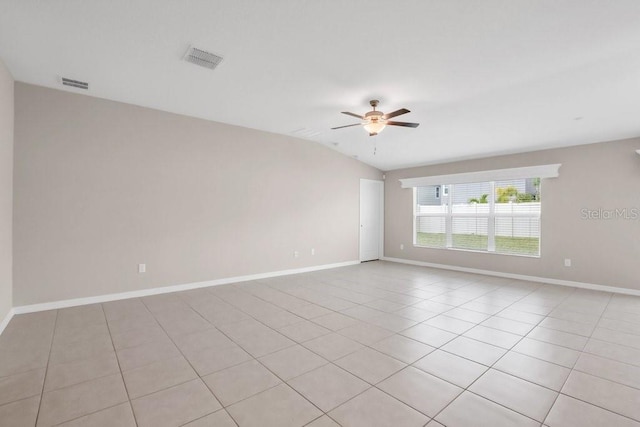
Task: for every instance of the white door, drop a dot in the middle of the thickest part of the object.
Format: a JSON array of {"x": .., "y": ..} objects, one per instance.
[{"x": 371, "y": 219}]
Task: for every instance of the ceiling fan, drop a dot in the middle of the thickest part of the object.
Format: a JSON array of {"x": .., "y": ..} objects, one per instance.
[{"x": 375, "y": 121}]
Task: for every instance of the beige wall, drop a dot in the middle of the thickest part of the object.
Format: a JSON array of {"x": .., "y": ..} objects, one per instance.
[
  {"x": 605, "y": 175},
  {"x": 102, "y": 186},
  {"x": 6, "y": 189}
]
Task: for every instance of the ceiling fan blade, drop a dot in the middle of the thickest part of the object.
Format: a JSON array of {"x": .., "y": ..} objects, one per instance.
[
  {"x": 353, "y": 114},
  {"x": 396, "y": 113},
  {"x": 404, "y": 124},
  {"x": 347, "y": 126}
]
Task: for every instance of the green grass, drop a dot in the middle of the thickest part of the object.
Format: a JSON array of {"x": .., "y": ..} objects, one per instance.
[{"x": 512, "y": 245}]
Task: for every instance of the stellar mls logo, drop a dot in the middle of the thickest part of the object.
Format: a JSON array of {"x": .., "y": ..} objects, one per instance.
[{"x": 629, "y": 214}]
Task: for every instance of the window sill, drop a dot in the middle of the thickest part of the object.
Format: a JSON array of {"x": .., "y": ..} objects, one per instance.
[{"x": 476, "y": 251}]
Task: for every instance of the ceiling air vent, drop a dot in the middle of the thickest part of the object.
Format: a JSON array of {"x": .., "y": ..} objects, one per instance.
[
  {"x": 75, "y": 83},
  {"x": 202, "y": 58}
]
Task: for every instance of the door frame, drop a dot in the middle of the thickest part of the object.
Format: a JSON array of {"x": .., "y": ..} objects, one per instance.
[{"x": 381, "y": 211}]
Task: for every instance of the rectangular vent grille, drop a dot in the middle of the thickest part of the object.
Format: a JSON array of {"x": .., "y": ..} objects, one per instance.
[
  {"x": 202, "y": 58},
  {"x": 75, "y": 83}
]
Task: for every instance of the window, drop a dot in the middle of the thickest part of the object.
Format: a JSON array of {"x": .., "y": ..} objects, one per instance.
[{"x": 492, "y": 216}]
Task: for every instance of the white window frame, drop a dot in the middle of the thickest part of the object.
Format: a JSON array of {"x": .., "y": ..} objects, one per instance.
[
  {"x": 542, "y": 171},
  {"x": 490, "y": 216}
]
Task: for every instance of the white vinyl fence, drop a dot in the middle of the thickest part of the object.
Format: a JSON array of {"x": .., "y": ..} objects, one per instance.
[{"x": 512, "y": 219}]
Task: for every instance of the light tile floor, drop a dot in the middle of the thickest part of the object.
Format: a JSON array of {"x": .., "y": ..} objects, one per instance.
[{"x": 377, "y": 344}]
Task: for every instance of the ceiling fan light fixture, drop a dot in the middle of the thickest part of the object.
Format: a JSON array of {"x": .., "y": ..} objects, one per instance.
[
  {"x": 375, "y": 127},
  {"x": 375, "y": 121}
]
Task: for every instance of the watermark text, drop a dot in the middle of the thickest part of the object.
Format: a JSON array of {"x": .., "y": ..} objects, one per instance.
[{"x": 629, "y": 214}]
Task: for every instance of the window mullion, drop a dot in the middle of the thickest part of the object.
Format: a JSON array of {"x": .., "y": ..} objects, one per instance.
[
  {"x": 491, "y": 225},
  {"x": 415, "y": 215},
  {"x": 449, "y": 220}
]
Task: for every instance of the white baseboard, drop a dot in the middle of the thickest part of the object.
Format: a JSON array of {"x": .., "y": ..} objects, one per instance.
[
  {"x": 54, "y": 305},
  {"x": 549, "y": 280},
  {"x": 6, "y": 320}
]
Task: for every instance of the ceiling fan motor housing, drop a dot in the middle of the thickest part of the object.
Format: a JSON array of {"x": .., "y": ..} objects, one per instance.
[{"x": 373, "y": 115}]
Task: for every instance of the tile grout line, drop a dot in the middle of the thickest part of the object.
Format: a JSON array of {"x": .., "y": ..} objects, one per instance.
[
  {"x": 566, "y": 297},
  {"x": 185, "y": 358},
  {"x": 205, "y": 416},
  {"x": 46, "y": 372},
  {"x": 329, "y": 362},
  {"x": 466, "y": 389},
  {"x": 90, "y": 413},
  {"x": 609, "y": 379},
  {"x": 558, "y": 392},
  {"x": 495, "y": 288},
  {"x": 407, "y": 365},
  {"x": 253, "y": 358},
  {"x": 574, "y": 364},
  {"x": 126, "y": 389},
  {"x": 411, "y": 365}
]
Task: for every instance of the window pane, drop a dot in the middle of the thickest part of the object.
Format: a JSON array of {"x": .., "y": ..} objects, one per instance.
[
  {"x": 470, "y": 233},
  {"x": 516, "y": 231},
  {"x": 518, "y": 235},
  {"x": 471, "y": 198},
  {"x": 508, "y": 209},
  {"x": 518, "y": 191},
  {"x": 431, "y": 232},
  {"x": 430, "y": 200}
]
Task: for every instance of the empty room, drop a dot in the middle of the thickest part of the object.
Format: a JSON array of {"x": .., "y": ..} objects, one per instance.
[{"x": 291, "y": 213}]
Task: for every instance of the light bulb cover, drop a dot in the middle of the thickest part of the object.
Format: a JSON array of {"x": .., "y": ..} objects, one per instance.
[{"x": 375, "y": 127}]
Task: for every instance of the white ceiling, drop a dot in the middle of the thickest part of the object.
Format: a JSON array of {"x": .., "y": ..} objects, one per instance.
[{"x": 481, "y": 77}]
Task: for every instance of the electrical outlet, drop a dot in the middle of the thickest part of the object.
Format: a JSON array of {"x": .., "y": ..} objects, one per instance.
[
  {"x": 142, "y": 268},
  {"x": 402, "y": 246},
  {"x": 313, "y": 251},
  {"x": 567, "y": 262},
  {"x": 296, "y": 254}
]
